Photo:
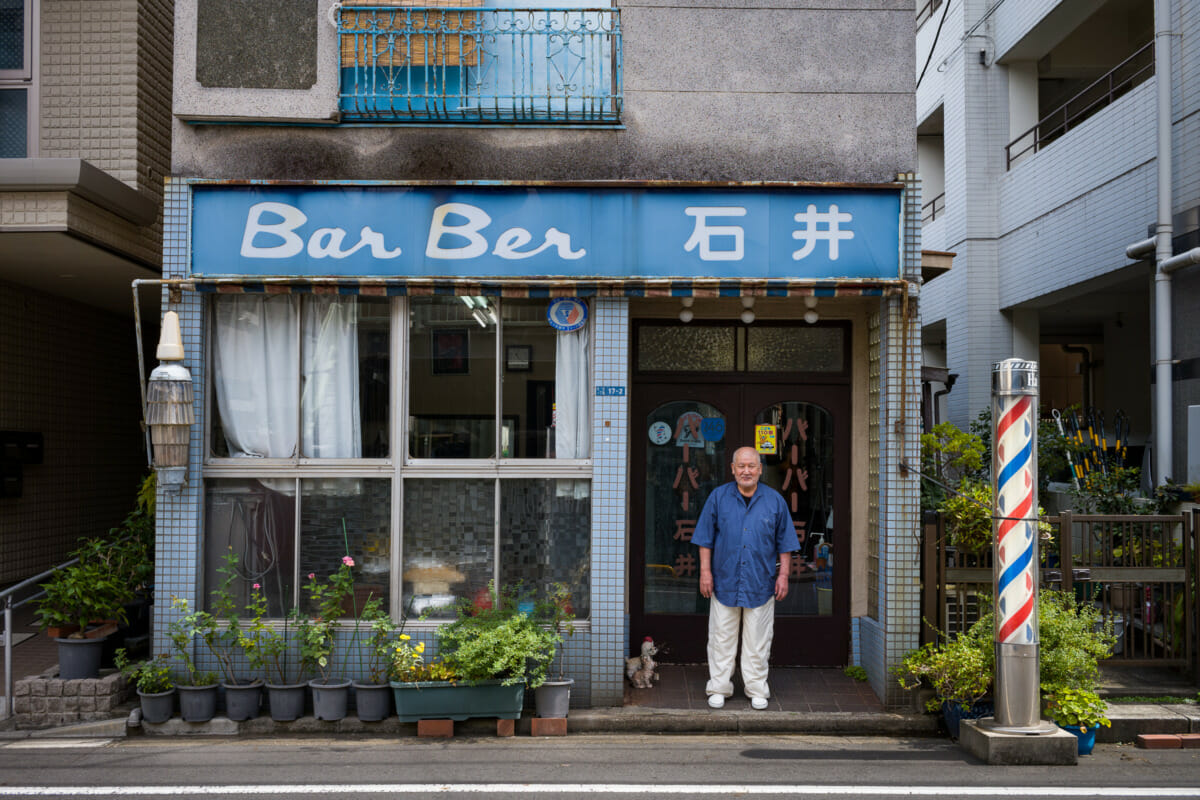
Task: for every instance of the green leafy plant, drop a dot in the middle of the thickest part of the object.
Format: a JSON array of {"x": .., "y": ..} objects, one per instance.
[
  {"x": 151, "y": 676},
  {"x": 1079, "y": 707},
  {"x": 374, "y": 633},
  {"x": 951, "y": 456},
  {"x": 856, "y": 673},
  {"x": 318, "y": 636},
  {"x": 224, "y": 635},
  {"x": 407, "y": 660},
  {"x": 1073, "y": 639},
  {"x": 185, "y": 628},
  {"x": 82, "y": 593},
  {"x": 969, "y": 516},
  {"x": 556, "y": 611},
  {"x": 959, "y": 670},
  {"x": 499, "y": 641}
]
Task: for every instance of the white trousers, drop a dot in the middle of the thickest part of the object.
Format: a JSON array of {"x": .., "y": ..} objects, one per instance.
[{"x": 758, "y": 628}]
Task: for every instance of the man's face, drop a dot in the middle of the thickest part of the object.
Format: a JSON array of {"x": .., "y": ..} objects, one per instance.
[{"x": 746, "y": 470}]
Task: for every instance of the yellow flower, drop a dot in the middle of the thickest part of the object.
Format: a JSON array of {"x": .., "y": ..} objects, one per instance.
[
  {"x": 404, "y": 637},
  {"x": 420, "y": 647}
]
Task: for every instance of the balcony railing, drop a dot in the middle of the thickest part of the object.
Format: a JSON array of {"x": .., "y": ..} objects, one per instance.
[
  {"x": 467, "y": 64},
  {"x": 1129, "y": 73},
  {"x": 927, "y": 11},
  {"x": 930, "y": 211}
]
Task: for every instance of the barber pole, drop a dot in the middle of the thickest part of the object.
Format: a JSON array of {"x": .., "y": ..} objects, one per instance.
[{"x": 1015, "y": 538}]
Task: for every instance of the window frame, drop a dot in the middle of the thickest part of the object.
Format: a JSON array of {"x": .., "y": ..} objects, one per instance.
[
  {"x": 26, "y": 78},
  {"x": 395, "y": 469}
]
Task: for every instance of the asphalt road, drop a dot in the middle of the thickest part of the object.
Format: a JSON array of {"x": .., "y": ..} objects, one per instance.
[{"x": 576, "y": 766}]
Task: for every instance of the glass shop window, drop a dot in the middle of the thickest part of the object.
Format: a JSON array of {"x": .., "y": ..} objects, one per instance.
[
  {"x": 466, "y": 351},
  {"x": 451, "y": 538},
  {"x": 300, "y": 376},
  {"x": 279, "y": 543}
]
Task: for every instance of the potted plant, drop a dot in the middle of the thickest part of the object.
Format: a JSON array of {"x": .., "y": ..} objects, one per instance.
[
  {"x": 198, "y": 692},
  {"x": 373, "y": 632},
  {"x": 269, "y": 652},
  {"x": 958, "y": 670},
  {"x": 318, "y": 640},
  {"x": 553, "y": 697},
  {"x": 83, "y": 603},
  {"x": 493, "y": 650},
  {"x": 152, "y": 677},
  {"x": 228, "y": 640},
  {"x": 1080, "y": 711}
]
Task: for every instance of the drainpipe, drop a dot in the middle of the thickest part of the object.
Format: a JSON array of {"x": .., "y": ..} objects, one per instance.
[{"x": 1163, "y": 411}]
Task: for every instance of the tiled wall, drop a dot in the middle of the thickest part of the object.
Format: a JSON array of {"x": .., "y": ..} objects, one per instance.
[
  {"x": 69, "y": 372},
  {"x": 610, "y": 416}
]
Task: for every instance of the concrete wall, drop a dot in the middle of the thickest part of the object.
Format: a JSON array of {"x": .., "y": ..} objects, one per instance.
[{"x": 752, "y": 91}]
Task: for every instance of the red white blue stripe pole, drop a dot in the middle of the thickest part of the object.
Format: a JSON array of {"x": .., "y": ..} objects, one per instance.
[{"x": 1015, "y": 540}]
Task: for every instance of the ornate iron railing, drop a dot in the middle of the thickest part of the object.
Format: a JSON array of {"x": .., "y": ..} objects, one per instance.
[
  {"x": 1131, "y": 72},
  {"x": 478, "y": 65}
]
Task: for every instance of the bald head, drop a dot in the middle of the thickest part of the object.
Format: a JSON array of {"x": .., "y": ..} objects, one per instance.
[{"x": 746, "y": 470}]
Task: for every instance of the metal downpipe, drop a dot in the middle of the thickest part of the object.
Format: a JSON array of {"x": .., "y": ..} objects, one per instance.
[{"x": 1163, "y": 405}]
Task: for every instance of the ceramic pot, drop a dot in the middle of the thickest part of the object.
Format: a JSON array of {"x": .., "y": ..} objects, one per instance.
[{"x": 457, "y": 701}]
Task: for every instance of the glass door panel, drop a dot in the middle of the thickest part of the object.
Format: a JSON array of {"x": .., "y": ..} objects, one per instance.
[
  {"x": 802, "y": 471},
  {"x": 685, "y": 460}
]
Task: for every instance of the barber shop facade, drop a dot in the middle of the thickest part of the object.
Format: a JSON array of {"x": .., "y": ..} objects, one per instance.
[{"x": 464, "y": 383}]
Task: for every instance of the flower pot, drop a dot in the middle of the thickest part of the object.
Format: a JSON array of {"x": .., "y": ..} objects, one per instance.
[
  {"x": 953, "y": 713},
  {"x": 79, "y": 658},
  {"x": 330, "y": 699},
  {"x": 457, "y": 701},
  {"x": 198, "y": 703},
  {"x": 1087, "y": 739},
  {"x": 553, "y": 698},
  {"x": 242, "y": 699},
  {"x": 372, "y": 701},
  {"x": 286, "y": 701},
  {"x": 157, "y": 707}
]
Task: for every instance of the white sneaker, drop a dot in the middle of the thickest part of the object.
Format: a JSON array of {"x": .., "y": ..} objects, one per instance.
[
  {"x": 758, "y": 703},
  {"x": 716, "y": 701}
]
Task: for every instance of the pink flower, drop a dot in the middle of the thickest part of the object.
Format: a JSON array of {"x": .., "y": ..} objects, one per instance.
[
  {"x": 312, "y": 575},
  {"x": 256, "y": 586},
  {"x": 348, "y": 561}
]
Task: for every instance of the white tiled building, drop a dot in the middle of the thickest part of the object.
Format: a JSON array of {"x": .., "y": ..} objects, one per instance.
[{"x": 1037, "y": 149}]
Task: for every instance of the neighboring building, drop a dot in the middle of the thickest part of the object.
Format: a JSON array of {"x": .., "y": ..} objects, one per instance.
[
  {"x": 1037, "y": 146},
  {"x": 374, "y": 213},
  {"x": 85, "y": 138}
]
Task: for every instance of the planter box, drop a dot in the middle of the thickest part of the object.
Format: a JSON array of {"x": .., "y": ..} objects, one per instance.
[{"x": 457, "y": 701}]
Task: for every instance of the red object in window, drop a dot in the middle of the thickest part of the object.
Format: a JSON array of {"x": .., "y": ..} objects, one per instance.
[{"x": 482, "y": 601}]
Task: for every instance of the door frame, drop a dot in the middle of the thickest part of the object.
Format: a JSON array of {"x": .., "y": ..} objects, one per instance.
[{"x": 832, "y": 392}]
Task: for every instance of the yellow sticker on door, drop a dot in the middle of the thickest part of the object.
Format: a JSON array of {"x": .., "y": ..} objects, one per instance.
[{"x": 766, "y": 439}]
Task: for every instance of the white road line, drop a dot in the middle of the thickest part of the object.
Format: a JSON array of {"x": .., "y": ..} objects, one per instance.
[{"x": 792, "y": 790}]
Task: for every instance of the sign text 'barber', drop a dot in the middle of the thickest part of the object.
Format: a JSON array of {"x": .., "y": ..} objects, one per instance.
[{"x": 603, "y": 232}]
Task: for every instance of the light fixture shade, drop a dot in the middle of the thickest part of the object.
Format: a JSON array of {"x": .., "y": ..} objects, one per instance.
[
  {"x": 811, "y": 316},
  {"x": 686, "y": 315},
  {"x": 170, "y": 343},
  {"x": 170, "y": 416},
  {"x": 747, "y": 316}
]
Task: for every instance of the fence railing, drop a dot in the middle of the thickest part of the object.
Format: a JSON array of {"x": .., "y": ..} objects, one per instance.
[
  {"x": 467, "y": 64},
  {"x": 926, "y": 11},
  {"x": 1134, "y": 70},
  {"x": 1139, "y": 571},
  {"x": 930, "y": 211}
]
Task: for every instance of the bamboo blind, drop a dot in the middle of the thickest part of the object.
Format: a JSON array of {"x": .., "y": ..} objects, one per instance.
[{"x": 438, "y": 47}]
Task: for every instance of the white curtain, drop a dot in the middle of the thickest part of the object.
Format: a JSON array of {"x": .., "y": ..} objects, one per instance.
[
  {"x": 572, "y": 400},
  {"x": 256, "y": 368},
  {"x": 330, "y": 422},
  {"x": 261, "y": 367}
]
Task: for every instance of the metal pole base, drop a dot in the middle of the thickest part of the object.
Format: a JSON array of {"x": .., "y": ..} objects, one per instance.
[{"x": 1039, "y": 728}]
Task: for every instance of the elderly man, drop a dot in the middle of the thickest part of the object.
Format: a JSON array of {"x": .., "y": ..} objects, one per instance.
[{"x": 743, "y": 529}]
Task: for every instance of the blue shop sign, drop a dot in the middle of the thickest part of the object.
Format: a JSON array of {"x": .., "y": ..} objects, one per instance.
[{"x": 370, "y": 230}]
